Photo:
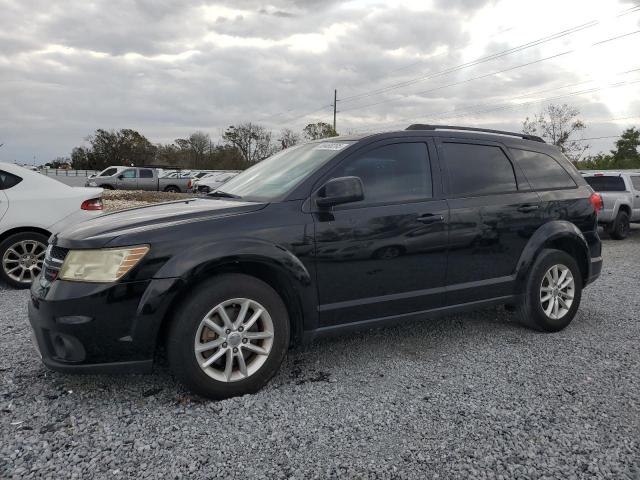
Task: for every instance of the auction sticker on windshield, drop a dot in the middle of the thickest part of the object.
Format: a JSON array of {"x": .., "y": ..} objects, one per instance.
[{"x": 331, "y": 146}]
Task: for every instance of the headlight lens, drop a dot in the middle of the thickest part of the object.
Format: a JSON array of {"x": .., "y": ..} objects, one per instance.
[{"x": 104, "y": 265}]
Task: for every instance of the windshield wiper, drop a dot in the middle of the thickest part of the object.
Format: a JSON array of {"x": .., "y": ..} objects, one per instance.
[{"x": 220, "y": 193}]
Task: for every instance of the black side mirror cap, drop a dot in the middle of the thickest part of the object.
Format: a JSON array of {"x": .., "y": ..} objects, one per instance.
[
  {"x": 120, "y": 177},
  {"x": 338, "y": 191}
]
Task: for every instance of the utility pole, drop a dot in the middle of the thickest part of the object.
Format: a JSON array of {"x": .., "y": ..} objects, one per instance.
[{"x": 335, "y": 104}]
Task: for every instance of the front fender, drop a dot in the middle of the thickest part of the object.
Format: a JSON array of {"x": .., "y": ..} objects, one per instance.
[{"x": 544, "y": 237}]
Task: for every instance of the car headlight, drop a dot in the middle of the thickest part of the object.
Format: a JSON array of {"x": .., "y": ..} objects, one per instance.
[
  {"x": 104, "y": 265},
  {"x": 93, "y": 184}
]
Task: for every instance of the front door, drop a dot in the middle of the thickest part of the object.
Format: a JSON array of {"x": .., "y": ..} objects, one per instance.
[
  {"x": 385, "y": 255},
  {"x": 128, "y": 180},
  {"x": 493, "y": 213}
]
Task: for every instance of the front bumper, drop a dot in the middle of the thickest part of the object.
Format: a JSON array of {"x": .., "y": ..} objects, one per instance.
[{"x": 99, "y": 328}]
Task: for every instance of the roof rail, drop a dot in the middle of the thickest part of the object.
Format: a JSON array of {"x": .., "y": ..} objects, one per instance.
[{"x": 422, "y": 126}]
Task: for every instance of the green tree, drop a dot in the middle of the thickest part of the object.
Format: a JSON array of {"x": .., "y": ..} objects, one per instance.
[
  {"x": 252, "y": 141},
  {"x": 627, "y": 146},
  {"x": 316, "y": 131}
]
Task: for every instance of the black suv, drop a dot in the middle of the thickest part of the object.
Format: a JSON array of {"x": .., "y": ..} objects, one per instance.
[{"x": 336, "y": 234}]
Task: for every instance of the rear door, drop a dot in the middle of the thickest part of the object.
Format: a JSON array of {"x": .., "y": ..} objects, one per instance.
[
  {"x": 493, "y": 212},
  {"x": 635, "y": 183},
  {"x": 386, "y": 255},
  {"x": 147, "y": 179},
  {"x": 127, "y": 179}
]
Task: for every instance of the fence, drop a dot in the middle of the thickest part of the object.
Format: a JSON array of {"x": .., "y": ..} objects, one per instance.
[{"x": 61, "y": 172}]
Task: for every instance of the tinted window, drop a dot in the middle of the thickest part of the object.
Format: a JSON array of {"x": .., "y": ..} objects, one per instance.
[
  {"x": 542, "y": 171},
  {"x": 146, "y": 173},
  {"x": 606, "y": 183},
  {"x": 478, "y": 169},
  {"x": 393, "y": 173},
  {"x": 636, "y": 182},
  {"x": 108, "y": 172},
  {"x": 129, "y": 174},
  {"x": 8, "y": 180}
]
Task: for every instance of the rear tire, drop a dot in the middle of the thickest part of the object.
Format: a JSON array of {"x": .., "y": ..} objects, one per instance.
[
  {"x": 21, "y": 256},
  {"x": 619, "y": 229},
  {"x": 172, "y": 189},
  {"x": 246, "y": 358},
  {"x": 551, "y": 300}
]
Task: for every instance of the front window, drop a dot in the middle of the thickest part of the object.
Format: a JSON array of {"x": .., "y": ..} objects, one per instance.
[{"x": 279, "y": 174}]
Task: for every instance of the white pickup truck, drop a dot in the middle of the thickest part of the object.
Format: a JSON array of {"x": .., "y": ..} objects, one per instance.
[{"x": 620, "y": 192}]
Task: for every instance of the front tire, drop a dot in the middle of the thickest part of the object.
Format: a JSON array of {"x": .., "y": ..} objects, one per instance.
[
  {"x": 21, "y": 257},
  {"x": 619, "y": 229},
  {"x": 229, "y": 337},
  {"x": 553, "y": 292}
]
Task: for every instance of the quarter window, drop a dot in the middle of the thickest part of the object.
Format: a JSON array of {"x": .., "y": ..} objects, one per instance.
[
  {"x": 393, "y": 173},
  {"x": 478, "y": 169},
  {"x": 542, "y": 171},
  {"x": 8, "y": 180}
]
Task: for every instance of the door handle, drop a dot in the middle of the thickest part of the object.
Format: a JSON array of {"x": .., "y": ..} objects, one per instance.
[
  {"x": 430, "y": 218},
  {"x": 528, "y": 208}
]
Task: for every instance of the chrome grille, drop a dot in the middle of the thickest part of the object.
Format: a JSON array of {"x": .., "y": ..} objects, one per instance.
[{"x": 53, "y": 261}]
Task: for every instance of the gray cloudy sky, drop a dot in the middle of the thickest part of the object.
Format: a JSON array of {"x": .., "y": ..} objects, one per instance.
[{"x": 169, "y": 67}]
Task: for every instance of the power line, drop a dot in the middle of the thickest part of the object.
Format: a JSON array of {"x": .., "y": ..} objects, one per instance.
[
  {"x": 486, "y": 75},
  {"x": 472, "y": 63}
]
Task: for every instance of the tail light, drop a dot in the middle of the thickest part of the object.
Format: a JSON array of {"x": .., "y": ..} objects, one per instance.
[
  {"x": 596, "y": 201},
  {"x": 92, "y": 204},
  {"x": 189, "y": 184}
]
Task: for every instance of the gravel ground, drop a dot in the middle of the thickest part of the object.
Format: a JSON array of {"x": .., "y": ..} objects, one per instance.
[
  {"x": 471, "y": 396},
  {"x": 120, "y": 199}
]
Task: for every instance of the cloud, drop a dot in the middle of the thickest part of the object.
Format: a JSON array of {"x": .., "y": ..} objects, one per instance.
[{"x": 169, "y": 67}]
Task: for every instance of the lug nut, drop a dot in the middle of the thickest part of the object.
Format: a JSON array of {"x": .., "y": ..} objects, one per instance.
[
  {"x": 227, "y": 331},
  {"x": 224, "y": 345},
  {"x": 244, "y": 340},
  {"x": 235, "y": 350},
  {"x": 240, "y": 329}
]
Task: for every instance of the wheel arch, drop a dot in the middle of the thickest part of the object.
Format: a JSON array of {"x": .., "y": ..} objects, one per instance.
[
  {"x": 624, "y": 207},
  {"x": 12, "y": 231},
  {"x": 282, "y": 271},
  {"x": 559, "y": 235}
]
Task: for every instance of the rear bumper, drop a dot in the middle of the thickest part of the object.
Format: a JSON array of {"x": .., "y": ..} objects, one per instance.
[{"x": 99, "y": 328}]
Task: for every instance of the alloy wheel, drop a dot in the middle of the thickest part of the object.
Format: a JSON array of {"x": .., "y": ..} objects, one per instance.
[
  {"x": 23, "y": 260},
  {"x": 234, "y": 339},
  {"x": 557, "y": 291}
]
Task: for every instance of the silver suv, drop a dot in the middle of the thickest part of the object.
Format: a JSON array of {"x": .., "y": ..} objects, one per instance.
[{"x": 620, "y": 192}]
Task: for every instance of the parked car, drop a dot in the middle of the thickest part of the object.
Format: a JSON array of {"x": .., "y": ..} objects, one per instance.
[
  {"x": 212, "y": 182},
  {"x": 138, "y": 178},
  {"x": 620, "y": 192},
  {"x": 32, "y": 207},
  {"x": 228, "y": 282}
]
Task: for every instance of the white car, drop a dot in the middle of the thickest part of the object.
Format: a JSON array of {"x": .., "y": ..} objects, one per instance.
[
  {"x": 32, "y": 207},
  {"x": 210, "y": 183}
]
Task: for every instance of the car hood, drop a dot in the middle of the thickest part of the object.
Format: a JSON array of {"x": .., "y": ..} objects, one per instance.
[{"x": 99, "y": 231}]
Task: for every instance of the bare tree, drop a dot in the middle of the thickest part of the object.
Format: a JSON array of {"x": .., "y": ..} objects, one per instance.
[
  {"x": 253, "y": 141},
  {"x": 559, "y": 125},
  {"x": 288, "y": 138}
]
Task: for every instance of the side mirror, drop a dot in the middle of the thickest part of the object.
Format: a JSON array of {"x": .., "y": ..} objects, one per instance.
[
  {"x": 120, "y": 177},
  {"x": 340, "y": 190}
]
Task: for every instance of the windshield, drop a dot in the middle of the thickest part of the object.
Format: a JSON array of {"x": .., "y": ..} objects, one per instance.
[{"x": 280, "y": 173}]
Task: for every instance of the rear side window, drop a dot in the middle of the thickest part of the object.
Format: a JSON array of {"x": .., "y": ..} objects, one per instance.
[
  {"x": 478, "y": 169},
  {"x": 108, "y": 172},
  {"x": 636, "y": 182},
  {"x": 542, "y": 171},
  {"x": 606, "y": 183},
  {"x": 146, "y": 173},
  {"x": 392, "y": 173},
  {"x": 8, "y": 180}
]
